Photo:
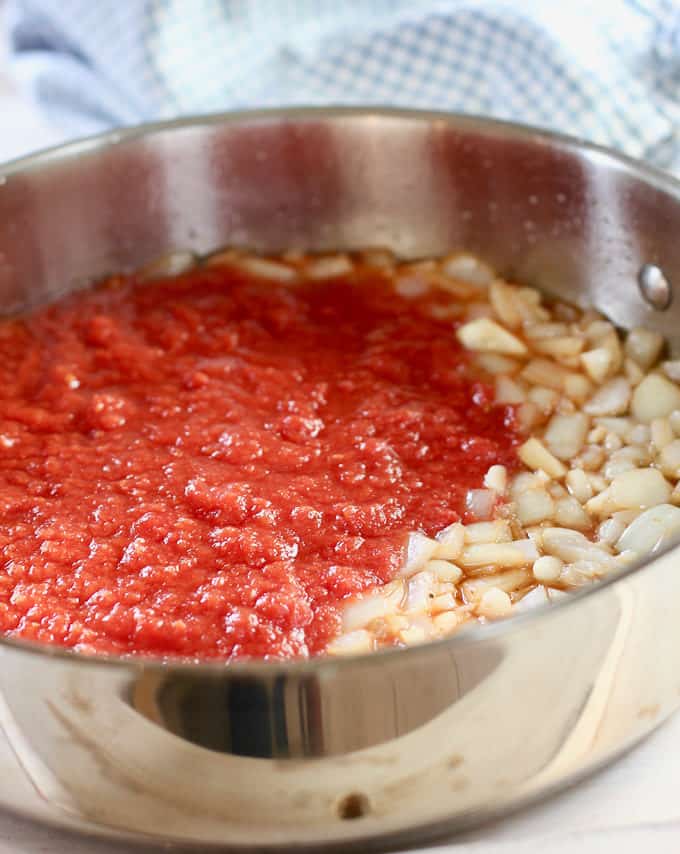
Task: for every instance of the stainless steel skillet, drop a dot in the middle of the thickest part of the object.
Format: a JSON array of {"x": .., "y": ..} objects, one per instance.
[{"x": 404, "y": 744}]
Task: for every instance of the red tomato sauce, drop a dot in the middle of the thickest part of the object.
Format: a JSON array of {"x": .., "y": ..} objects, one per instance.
[{"x": 207, "y": 466}]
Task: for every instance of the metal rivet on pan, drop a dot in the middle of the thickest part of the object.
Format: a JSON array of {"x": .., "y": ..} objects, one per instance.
[{"x": 655, "y": 287}]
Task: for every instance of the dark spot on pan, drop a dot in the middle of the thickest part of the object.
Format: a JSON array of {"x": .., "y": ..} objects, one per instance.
[{"x": 354, "y": 805}]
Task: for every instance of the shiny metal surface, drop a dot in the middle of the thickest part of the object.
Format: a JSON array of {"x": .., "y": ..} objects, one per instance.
[{"x": 403, "y": 744}]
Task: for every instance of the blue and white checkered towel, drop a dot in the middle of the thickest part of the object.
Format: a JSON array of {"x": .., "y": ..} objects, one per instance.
[{"x": 605, "y": 70}]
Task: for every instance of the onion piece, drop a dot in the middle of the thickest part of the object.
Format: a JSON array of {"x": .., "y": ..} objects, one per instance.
[
  {"x": 565, "y": 434},
  {"x": 445, "y": 571},
  {"x": 265, "y": 268},
  {"x": 651, "y": 531},
  {"x": 661, "y": 433},
  {"x": 536, "y": 598},
  {"x": 468, "y": 268},
  {"x": 509, "y": 391},
  {"x": 170, "y": 264},
  {"x": 328, "y": 267},
  {"x": 672, "y": 370},
  {"x": 546, "y": 373},
  {"x": 640, "y": 434},
  {"x": 643, "y": 346},
  {"x": 419, "y": 549},
  {"x": 411, "y": 287},
  {"x": 579, "y": 485},
  {"x": 639, "y": 488},
  {"x": 380, "y": 603},
  {"x": 419, "y": 593},
  {"x": 560, "y": 348},
  {"x": 669, "y": 459},
  {"x": 496, "y": 364},
  {"x": 480, "y": 503},
  {"x": 598, "y": 364},
  {"x": 488, "y": 336},
  {"x": 496, "y": 555},
  {"x": 545, "y": 398},
  {"x": 512, "y": 580},
  {"x": 446, "y": 622},
  {"x": 610, "y": 399},
  {"x": 494, "y": 604},
  {"x": 417, "y": 632},
  {"x": 537, "y": 331},
  {"x": 577, "y": 387},
  {"x": 496, "y": 479},
  {"x": 504, "y": 303},
  {"x": 442, "y": 602},
  {"x": 619, "y": 425},
  {"x": 497, "y": 531},
  {"x": 571, "y": 546},
  {"x": 535, "y": 455},
  {"x": 534, "y": 505},
  {"x": 450, "y": 542},
  {"x": 584, "y": 571},
  {"x": 528, "y": 547},
  {"x": 377, "y": 257},
  {"x": 634, "y": 373},
  {"x": 547, "y": 569},
  {"x": 568, "y": 513},
  {"x": 351, "y": 643},
  {"x": 654, "y": 397}
]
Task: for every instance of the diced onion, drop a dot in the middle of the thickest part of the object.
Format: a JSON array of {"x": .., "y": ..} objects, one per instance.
[
  {"x": 445, "y": 571},
  {"x": 534, "y": 505},
  {"x": 171, "y": 264},
  {"x": 419, "y": 550},
  {"x": 610, "y": 399},
  {"x": 450, "y": 542},
  {"x": 547, "y": 569},
  {"x": 565, "y": 434},
  {"x": 382, "y": 602},
  {"x": 536, "y": 598},
  {"x": 351, "y": 643},
  {"x": 467, "y": 268},
  {"x": 669, "y": 459},
  {"x": 571, "y": 546},
  {"x": 643, "y": 346},
  {"x": 494, "y": 604},
  {"x": 497, "y": 531},
  {"x": 480, "y": 503},
  {"x": 535, "y": 455},
  {"x": 495, "y": 554},
  {"x": 266, "y": 269},
  {"x": 329, "y": 267},
  {"x": 487, "y": 335},
  {"x": 651, "y": 531},
  {"x": 496, "y": 479},
  {"x": 420, "y": 591},
  {"x": 639, "y": 488},
  {"x": 654, "y": 397}
]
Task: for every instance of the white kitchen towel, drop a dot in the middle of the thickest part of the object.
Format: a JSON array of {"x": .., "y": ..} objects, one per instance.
[{"x": 605, "y": 71}]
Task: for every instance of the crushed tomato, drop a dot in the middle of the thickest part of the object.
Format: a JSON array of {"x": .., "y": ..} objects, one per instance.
[{"x": 208, "y": 465}]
